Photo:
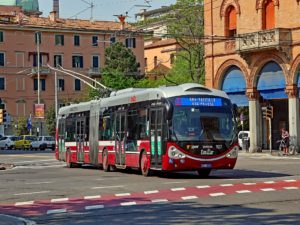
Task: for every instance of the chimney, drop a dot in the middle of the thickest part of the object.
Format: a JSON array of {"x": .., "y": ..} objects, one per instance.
[
  {"x": 53, "y": 16},
  {"x": 56, "y": 7}
]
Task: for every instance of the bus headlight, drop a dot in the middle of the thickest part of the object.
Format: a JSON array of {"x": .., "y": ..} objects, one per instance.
[
  {"x": 174, "y": 153},
  {"x": 233, "y": 153}
]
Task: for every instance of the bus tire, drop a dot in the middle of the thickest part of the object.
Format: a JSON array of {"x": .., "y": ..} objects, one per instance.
[
  {"x": 203, "y": 173},
  {"x": 144, "y": 164},
  {"x": 68, "y": 160},
  {"x": 106, "y": 166}
]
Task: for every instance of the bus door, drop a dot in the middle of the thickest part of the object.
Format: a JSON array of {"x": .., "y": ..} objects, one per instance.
[
  {"x": 120, "y": 137},
  {"x": 61, "y": 138},
  {"x": 156, "y": 132},
  {"x": 80, "y": 139}
]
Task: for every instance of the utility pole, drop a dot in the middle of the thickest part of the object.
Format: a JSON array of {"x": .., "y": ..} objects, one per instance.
[{"x": 38, "y": 65}]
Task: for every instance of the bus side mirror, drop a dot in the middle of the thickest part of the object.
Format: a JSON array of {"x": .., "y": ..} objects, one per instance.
[{"x": 169, "y": 110}]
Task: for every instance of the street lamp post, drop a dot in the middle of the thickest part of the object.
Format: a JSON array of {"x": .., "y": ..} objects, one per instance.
[{"x": 38, "y": 75}]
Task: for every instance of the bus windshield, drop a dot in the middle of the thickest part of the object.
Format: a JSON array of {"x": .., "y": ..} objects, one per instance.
[{"x": 202, "y": 119}]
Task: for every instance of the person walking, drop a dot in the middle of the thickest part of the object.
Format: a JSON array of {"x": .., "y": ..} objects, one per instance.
[{"x": 285, "y": 136}]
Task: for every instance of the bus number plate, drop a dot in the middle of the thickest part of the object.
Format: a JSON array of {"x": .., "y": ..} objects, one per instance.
[{"x": 206, "y": 165}]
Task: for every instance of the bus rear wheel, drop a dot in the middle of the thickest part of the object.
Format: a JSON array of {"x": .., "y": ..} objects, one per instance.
[
  {"x": 144, "y": 163},
  {"x": 203, "y": 173},
  {"x": 106, "y": 166}
]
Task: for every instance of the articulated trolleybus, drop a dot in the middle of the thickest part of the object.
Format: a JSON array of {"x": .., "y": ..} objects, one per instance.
[{"x": 179, "y": 128}]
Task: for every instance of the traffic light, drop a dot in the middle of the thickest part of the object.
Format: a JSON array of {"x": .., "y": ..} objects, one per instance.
[{"x": 267, "y": 112}]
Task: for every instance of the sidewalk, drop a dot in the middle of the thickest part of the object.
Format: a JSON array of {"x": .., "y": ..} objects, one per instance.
[
  {"x": 267, "y": 153},
  {"x": 11, "y": 220}
]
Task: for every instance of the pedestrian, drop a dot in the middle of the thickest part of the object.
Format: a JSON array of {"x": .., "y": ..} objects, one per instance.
[{"x": 285, "y": 136}]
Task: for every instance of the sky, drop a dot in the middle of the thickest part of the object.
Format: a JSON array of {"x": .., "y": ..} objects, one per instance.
[{"x": 103, "y": 10}]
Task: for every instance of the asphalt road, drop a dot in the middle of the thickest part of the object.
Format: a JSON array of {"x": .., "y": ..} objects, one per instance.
[{"x": 261, "y": 190}]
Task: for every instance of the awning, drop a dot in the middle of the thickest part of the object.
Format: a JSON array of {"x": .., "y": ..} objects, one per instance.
[
  {"x": 239, "y": 98},
  {"x": 274, "y": 94},
  {"x": 234, "y": 81}
]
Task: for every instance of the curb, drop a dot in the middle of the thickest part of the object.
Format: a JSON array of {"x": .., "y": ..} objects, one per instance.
[{"x": 7, "y": 220}]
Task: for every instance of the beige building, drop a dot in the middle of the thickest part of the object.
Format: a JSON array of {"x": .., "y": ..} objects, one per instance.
[
  {"x": 77, "y": 45},
  {"x": 252, "y": 53}
]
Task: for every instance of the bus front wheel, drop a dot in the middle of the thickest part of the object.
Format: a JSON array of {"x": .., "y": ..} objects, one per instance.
[
  {"x": 106, "y": 166},
  {"x": 203, "y": 173},
  {"x": 144, "y": 163}
]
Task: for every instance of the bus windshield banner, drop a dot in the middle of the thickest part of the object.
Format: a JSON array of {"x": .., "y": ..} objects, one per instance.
[{"x": 200, "y": 101}]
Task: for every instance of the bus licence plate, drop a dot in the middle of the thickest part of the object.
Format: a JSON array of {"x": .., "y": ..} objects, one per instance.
[{"x": 206, "y": 165}]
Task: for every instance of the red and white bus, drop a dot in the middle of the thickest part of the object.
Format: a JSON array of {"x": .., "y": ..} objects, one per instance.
[{"x": 180, "y": 128}]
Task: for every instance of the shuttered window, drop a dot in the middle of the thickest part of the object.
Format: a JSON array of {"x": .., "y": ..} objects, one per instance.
[
  {"x": 268, "y": 15},
  {"x": 230, "y": 27}
]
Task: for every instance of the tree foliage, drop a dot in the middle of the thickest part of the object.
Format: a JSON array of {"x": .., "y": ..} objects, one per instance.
[
  {"x": 20, "y": 126},
  {"x": 50, "y": 120}
]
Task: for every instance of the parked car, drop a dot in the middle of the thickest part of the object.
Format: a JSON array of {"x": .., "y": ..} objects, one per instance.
[
  {"x": 24, "y": 141},
  {"x": 243, "y": 135},
  {"x": 43, "y": 143},
  {"x": 8, "y": 142}
]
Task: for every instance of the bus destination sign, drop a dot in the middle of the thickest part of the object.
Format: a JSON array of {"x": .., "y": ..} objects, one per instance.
[{"x": 204, "y": 101}]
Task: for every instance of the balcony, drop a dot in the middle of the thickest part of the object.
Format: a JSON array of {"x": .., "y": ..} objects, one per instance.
[
  {"x": 43, "y": 71},
  {"x": 94, "y": 72},
  {"x": 275, "y": 39}
]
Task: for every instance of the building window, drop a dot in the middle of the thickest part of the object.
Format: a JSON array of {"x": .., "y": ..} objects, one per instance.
[
  {"x": 155, "y": 61},
  {"x": 112, "y": 39},
  {"x": 76, "y": 40},
  {"x": 58, "y": 60},
  {"x": 77, "y": 61},
  {"x": 1, "y": 36},
  {"x": 35, "y": 60},
  {"x": 61, "y": 84},
  {"x": 42, "y": 84},
  {"x": 172, "y": 59},
  {"x": 146, "y": 62},
  {"x": 20, "y": 84},
  {"x": 130, "y": 42},
  {"x": 268, "y": 15},
  {"x": 95, "y": 40},
  {"x": 59, "y": 39},
  {"x": 2, "y": 83},
  {"x": 95, "y": 61},
  {"x": 230, "y": 20},
  {"x": 38, "y": 38},
  {"x": 2, "y": 59},
  {"x": 77, "y": 85}
]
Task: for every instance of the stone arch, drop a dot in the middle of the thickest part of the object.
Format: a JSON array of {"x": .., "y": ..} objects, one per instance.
[
  {"x": 226, "y": 3},
  {"x": 224, "y": 67},
  {"x": 295, "y": 67},
  {"x": 260, "y": 3},
  {"x": 261, "y": 62}
]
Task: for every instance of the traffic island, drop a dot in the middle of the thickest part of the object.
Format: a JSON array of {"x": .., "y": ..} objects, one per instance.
[{"x": 6, "y": 166}]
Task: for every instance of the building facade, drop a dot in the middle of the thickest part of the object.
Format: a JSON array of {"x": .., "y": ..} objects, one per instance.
[
  {"x": 252, "y": 52},
  {"x": 77, "y": 45}
]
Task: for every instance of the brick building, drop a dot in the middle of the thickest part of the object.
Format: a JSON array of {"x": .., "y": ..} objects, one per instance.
[
  {"x": 77, "y": 45},
  {"x": 252, "y": 53}
]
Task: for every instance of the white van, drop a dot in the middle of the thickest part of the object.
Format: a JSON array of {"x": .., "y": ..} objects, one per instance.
[{"x": 241, "y": 135}]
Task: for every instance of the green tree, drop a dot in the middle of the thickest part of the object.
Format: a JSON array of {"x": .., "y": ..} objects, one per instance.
[
  {"x": 186, "y": 26},
  {"x": 20, "y": 126},
  {"x": 50, "y": 120}
]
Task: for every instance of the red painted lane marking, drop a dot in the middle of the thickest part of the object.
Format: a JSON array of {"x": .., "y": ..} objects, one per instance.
[{"x": 187, "y": 193}]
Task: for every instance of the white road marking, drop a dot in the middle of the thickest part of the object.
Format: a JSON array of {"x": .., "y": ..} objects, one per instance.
[
  {"x": 151, "y": 192},
  {"x": 122, "y": 194},
  {"x": 291, "y": 188},
  {"x": 269, "y": 182},
  {"x": 217, "y": 194},
  {"x": 267, "y": 189},
  {"x": 249, "y": 184},
  {"x": 54, "y": 211},
  {"x": 203, "y": 186},
  {"x": 178, "y": 189},
  {"x": 91, "y": 207},
  {"x": 24, "y": 203},
  {"x": 243, "y": 191},
  {"x": 175, "y": 182},
  {"x": 159, "y": 200},
  {"x": 127, "y": 203},
  {"x": 31, "y": 161},
  {"x": 226, "y": 185},
  {"x": 42, "y": 182},
  {"x": 189, "y": 197},
  {"x": 103, "y": 187},
  {"x": 59, "y": 199},
  {"x": 289, "y": 181},
  {"x": 32, "y": 193},
  {"x": 92, "y": 197}
]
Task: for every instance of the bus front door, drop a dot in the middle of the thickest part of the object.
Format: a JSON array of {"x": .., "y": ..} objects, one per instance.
[
  {"x": 80, "y": 136},
  {"x": 120, "y": 138},
  {"x": 156, "y": 133},
  {"x": 61, "y": 139}
]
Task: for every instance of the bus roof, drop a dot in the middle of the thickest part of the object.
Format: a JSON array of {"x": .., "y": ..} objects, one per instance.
[{"x": 132, "y": 95}]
